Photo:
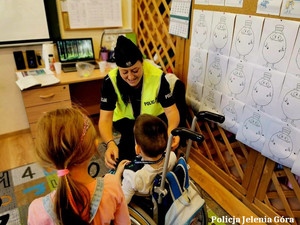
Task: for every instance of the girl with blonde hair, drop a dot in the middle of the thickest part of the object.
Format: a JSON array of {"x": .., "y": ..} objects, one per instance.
[{"x": 66, "y": 140}]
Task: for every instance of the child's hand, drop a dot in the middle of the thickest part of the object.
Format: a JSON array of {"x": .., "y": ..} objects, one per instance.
[{"x": 121, "y": 167}]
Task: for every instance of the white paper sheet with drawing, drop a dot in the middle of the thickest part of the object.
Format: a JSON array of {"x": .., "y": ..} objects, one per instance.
[
  {"x": 201, "y": 28},
  {"x": 271, "y": 7},
  {"x": 296, "y": 166},
  {"x": 290, "y": 8},
  {"x": 294, "y": 65},
  {"x": 234, "y": 3},
  {"x": 237, "y": 79},
  {"x": 277, "y": 43},
  {"x": 216, "y": 2},
  {"x": 282, "y": 143},
  {"x": 197, "y": 65},
  {"x": 211, "y": 100},
  {"x": 247, "y": 33},
  {"x": 265, "y": 89},
  {"x": 215, "y": 70},
  {"x": 232, "y": 109},
  {"x": 201, "y": 2},
  {"x": 288, "y": 106},
  {"x": 194, "y": 95},
  {"x": 253, "y": 128},
  {"x": 222, "y": 32}
]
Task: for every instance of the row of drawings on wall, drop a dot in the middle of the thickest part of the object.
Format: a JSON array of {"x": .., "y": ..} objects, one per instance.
[{"x": 248, "y": 68}]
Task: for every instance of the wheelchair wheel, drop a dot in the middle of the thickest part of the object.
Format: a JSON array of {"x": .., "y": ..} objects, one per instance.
[{"x": 138, "y": 216}]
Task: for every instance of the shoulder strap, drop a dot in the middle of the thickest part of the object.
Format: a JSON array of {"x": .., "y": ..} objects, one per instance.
[
  {"x": 178, "y": 179},
  {"x": 49, "y": 207},
  {"x": 96, "y": 199}
]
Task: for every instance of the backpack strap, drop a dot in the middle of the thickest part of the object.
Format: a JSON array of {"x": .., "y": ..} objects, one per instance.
[
  {"x": 178, "y": 179},
  {"x": 182, "y": 163},
  {"x": 49, "y": 207},
  {"x": 96, "y": 199}
]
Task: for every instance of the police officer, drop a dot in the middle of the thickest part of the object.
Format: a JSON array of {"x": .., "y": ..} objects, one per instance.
[{"x": 133, "y": 88}]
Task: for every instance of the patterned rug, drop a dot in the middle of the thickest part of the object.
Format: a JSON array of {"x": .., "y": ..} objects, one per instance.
[{"x": 20, "y": 186}]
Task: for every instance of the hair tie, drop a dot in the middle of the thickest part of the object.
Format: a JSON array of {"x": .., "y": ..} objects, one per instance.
[{"x": 61, "y": 173}]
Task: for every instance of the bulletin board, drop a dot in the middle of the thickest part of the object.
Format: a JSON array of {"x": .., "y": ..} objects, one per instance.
[
  {"x": 88, "y": 14},
  {"x": 267, "y": 188}
]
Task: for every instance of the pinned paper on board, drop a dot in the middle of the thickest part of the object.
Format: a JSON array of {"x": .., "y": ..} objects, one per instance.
[
  {"x": 270, "y": 7},
  {"x": 211, "y": 100},
  {"x": 288, "y": 106},
  {"x": 194, "y": 95},
  {"x": 253, "y": 128},
  {"x": 294, "y": 65},
  {"x": 197, "y": 65},
  {"x": 277, "y": 43},
  {"x": 265, "y": 89},
  {"x": 201, "y": 2},
  {"x": 246, "y": 37},
  {"x": 221, "y": 34},
  {"x": 216, "y": 2},
  {"x": 216, "y": 70},
  {"x": 234, "y": 3},
  {"x": 201, "y": 29},
  {"x": 290, "y": 8},
  {"x": 282, "y": 143},
  {"x": 237, "y": 79},
  {"x": 232, "y": 109}
]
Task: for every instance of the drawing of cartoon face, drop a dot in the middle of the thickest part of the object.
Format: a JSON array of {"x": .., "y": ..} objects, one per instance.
[
  {"x": 220, "y": 34},
  {"x": 245, "y": 39},
  {"x": 209, "y": 100},
  {"x": 252, "y": 129},
  {"x": 291, "y": 102},
  {"x": 200, "y": 31},
  {"x": 274, "y": 46},
  {"x": 196, "y": 67},
  {"x": 262, "y": 92},
  {"x": 215, "y": 72},
  {"x": 236, "y": 81},
  {"x": 281, "y": 144},
  {"x": 230, "y": 114}
]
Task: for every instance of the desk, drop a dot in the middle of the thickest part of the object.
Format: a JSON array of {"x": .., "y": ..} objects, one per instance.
[{"x": 84, "y": 91}]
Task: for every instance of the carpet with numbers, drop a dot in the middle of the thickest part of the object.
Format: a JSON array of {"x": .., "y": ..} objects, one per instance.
[{"x": 20, "y": 186}]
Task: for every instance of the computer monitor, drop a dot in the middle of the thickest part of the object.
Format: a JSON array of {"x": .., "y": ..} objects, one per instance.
[{"x": 74, "y": 50}]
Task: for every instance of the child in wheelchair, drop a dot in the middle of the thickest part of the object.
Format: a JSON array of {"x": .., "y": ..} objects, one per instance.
[
  {"x": 151, "y": 141},
  {"x": 156, "y": 173}
]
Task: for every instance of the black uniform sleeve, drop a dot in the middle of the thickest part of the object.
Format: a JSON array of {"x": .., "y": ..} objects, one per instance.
[
  {"x": 108, "y": 95},
  {"x": 165, "y": 97}
]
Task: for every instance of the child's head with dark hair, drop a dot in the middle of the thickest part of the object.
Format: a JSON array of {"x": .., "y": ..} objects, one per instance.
[{"x": 151, "y": 135}]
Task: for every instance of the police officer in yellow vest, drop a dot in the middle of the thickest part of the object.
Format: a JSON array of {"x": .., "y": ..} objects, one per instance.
[{"x": 133, "y": 88}]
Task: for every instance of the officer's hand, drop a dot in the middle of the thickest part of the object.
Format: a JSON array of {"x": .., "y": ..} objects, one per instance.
[{"x": 111, "y": 155}]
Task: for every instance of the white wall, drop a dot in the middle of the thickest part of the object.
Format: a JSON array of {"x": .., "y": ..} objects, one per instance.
[{"x": 12, "y": 112}]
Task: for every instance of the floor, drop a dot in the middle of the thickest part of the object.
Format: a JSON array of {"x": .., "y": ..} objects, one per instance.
[{"x": 18, "y": 150}]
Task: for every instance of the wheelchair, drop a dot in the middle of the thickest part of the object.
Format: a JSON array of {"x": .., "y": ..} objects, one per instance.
[{"x": 179, "y": 203}]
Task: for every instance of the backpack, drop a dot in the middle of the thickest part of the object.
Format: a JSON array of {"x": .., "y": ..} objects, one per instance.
[{"x": 182, "y": 204}]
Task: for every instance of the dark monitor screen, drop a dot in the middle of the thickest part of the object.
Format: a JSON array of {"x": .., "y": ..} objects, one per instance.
[{"x": 72, "y": 50}]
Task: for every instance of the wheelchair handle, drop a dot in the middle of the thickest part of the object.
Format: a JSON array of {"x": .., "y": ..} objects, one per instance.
[
  {"x": 187, "y": 134},
  {"x": 214, "y": 117}
]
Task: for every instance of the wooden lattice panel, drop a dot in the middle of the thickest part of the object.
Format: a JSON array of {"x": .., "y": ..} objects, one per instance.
[
  {"x": 279, "y": 191},
  {"x": 250, "y": 176},
  {"x": 153, "y": 38},
  {"x": 225, "y": 160}
]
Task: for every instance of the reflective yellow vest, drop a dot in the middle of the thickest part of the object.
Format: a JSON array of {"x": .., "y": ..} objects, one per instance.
[{"x": 149, "y": 104}]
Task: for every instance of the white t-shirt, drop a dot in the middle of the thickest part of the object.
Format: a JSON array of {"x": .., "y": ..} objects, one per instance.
[{"x": 141, "y": 181}]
